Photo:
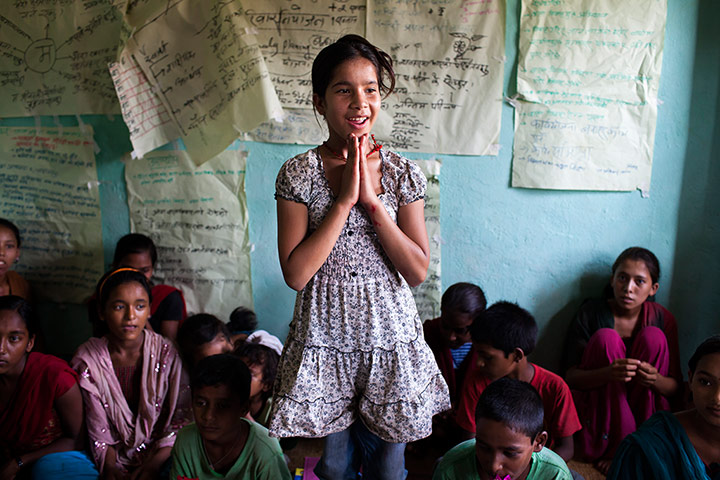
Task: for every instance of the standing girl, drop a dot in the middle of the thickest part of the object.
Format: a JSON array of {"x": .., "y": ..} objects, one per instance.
[
  {"x": 11, "y": 283},
  {"x": 622, "y": 356},
  {"x": 131, "y": 383},
  {"x": 41, "y": 408},
  {"x": 351, "y": 236}
]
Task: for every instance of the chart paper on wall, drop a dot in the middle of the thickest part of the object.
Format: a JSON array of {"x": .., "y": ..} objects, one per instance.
[
  {"x": 49, "y": 189},
  {"x": 449, "y": 61},
  {"x": 198, "y": 218},
  {"x": 588, "y": 79},
  {"x": 54, "y": 56},
  {"x": 206, "y": 67},
  {"x": 428, "y": 294}
]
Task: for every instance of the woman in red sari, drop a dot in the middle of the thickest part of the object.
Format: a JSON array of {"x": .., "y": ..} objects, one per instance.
[{"x": 41, "y": 409}]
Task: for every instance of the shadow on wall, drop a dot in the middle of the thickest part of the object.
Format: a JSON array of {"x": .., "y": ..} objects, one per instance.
[
  {"x": 551, "y": 340},
  {"x": 695, "y": 298}
]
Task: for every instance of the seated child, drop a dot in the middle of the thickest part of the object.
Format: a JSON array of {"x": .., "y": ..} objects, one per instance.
[
  {"x": 222, "y": 443},
  {"x": 622, "y": 357},
  {"x": 41, "y": 409},
  {"x": 503, "y": 336},
  {"x": 509, "y": 441},
  {"x": 681, "y": 445},
  {"x": 448, "y": 336},
  {"x": 243, "y": 322},
  {"x": 11, "y": 283},
  {"x": 200, "y": 336},
  {"x": 262, "y": 361},
  {"x": 131, "y": 379},
  {"x": 168, "y": 304}
]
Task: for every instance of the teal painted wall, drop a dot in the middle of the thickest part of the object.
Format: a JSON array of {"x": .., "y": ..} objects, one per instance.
[{"x": 546, "y": 250}]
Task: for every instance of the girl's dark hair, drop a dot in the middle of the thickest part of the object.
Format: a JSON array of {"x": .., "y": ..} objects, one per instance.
[
  {"x": 262, "y": 356},
  {"x": 22, "y": 307},
  {"x": 198, "y": 330},
  {"x": 116, "y": 277},
  {"x": 223, "y": 369},
  {"x": 242, "y": 320},
  {"x": 134, "y": 243},
  {"x": 347, "y": 48},
  {"x": 513, "y": 403},
  {"x": 12, "y": 227},
  {"x": 463, "y": 298},
  {"x": 708, "y": 347},
  {"x": 640, "y": 253}
]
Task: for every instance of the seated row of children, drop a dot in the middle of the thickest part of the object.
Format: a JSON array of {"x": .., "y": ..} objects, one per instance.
[
  {"x": 621, "y": 359},
  {"x": 129, "y": 394}
]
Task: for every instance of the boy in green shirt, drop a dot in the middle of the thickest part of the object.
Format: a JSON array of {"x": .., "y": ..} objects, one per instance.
[
  {"x": 509, "y": 439},
  {"x": 222, "y": 443}
]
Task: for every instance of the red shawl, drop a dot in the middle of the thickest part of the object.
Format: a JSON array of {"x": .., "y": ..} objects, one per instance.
[{"x": 30, "y": 421}]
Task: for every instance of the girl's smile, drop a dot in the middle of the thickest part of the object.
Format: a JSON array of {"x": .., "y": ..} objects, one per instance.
[{"x": 351, "y": 102}]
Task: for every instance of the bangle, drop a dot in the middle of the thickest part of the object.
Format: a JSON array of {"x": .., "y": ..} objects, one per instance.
[{"x": 19, "y": 462}]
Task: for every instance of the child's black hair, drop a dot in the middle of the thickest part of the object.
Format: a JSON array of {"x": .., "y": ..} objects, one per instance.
[
  {"x": 505, "y": 326},
  {"x": 223, "y": 369},
  {"x": 265, "y": 357},
  {"x": 13, "y": 228},
  {"x": 242, "y": 320},
  {"x": 514, "y": 403},
  {"x": 198, "y": 330},
  {"x": 116, "y": 277},
  {"x": 23, "y": 308},
  {"x": 708, "y": 347},
  {"x": 642, "y": 254},
  {"x": 134, "y": 243},
  {"x": 463, "y": 297},
  {"x": 347, "y": 48}
]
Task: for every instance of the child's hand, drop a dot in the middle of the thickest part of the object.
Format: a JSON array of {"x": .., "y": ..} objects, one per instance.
[
  {"x": 350, "y": 185},
  {"x": 647, "y": 375},
  {"x": 367, "y": 189},
  {"x": 624, "y": 369}
]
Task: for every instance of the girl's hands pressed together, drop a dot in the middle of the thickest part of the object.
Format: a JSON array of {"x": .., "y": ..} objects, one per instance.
[
  {"x": 350, "y": 184},
  {"x": 367, "y": 198}
]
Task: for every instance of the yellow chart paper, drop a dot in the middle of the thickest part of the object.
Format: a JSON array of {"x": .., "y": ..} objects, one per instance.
[
  {"x": 54, "y": 56},
  {"x": 449, "y": 61},
  {"x": 207, "y": 69},
  {"x": 428, "y": 294},
  {"x": 49, "y": 189},
  {"x": 588, "y": 78},
  {"x": 197, "y": 217}
]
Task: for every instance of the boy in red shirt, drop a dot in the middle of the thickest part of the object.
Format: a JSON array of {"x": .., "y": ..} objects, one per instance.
[{"x": 503, "y": 336}]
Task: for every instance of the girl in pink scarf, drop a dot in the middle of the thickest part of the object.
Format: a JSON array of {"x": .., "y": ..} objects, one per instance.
[{"x": 132, "y": 383}]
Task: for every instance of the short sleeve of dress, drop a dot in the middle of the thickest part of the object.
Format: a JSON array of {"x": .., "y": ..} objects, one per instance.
[
  {"x": 411, "y": 184},
  {"x": 291, "y": 182},
  {"x": 60, "y": 376}
]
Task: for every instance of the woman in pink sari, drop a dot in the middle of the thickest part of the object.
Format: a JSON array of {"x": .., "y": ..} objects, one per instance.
[{"x": 132, "y": 383}]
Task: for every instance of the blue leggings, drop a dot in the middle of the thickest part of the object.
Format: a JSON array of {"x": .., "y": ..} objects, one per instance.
[
  {"x": 345, "y": 451},
  {"x": 64, "y": 465}
]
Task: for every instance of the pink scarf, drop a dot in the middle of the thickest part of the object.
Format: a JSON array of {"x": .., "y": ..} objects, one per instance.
[{"x": 163, "y": 408}]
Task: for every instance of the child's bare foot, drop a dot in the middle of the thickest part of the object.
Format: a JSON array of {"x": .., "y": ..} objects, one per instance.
[{"x": 603, "y": 465}]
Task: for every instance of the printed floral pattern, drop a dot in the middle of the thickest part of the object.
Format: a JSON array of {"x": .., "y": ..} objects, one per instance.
[{"x": 355, "y": 347}]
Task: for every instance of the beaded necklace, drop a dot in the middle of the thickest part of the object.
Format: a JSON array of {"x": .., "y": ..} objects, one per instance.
[{"x": 376, "y": 148}]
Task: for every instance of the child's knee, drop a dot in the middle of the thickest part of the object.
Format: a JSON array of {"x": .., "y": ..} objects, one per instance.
[
  {"x": 649, "y": 342},
  {"x": 604, "y": 347}
]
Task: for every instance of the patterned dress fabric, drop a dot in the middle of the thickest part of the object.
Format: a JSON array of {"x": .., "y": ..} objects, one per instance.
[{"x": 355, "y": 349}]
